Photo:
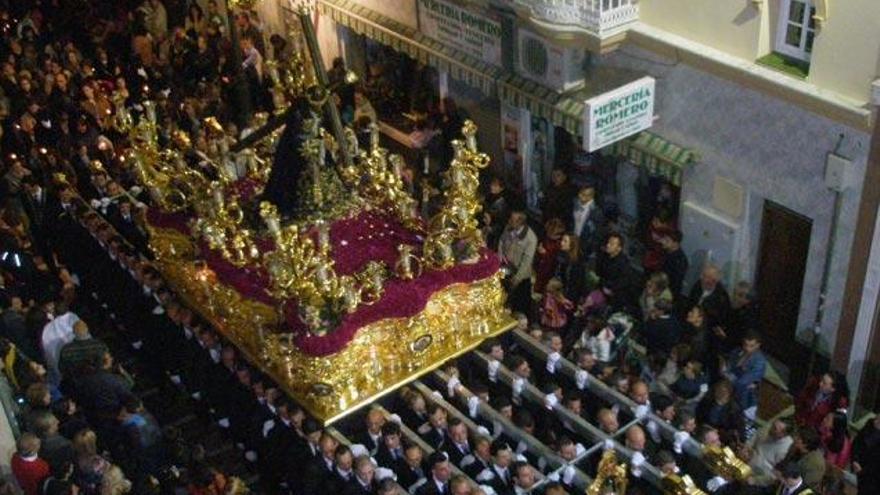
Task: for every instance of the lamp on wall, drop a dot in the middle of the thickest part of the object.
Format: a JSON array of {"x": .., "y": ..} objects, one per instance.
[{"x": 821, "y": 15}]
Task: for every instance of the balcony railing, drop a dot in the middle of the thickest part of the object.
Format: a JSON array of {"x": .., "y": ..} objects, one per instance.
[{"x": 600, "y": 17}]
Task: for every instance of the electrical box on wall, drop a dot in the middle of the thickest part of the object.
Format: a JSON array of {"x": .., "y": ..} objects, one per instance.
[{"x": 838, "y": 171}]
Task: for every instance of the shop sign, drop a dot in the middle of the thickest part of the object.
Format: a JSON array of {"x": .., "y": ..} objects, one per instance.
[
  {"x": 617, "y": 114},
  {"x": 474, "y": 33}
]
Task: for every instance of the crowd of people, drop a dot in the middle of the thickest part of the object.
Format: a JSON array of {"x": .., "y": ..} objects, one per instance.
[
  {"x": 74, "y": 256},
  {"x": 69, "y": 203}
]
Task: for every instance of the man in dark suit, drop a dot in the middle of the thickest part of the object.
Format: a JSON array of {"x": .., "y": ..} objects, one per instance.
[
  {"x": 498, "y": 475},
  {"x": 437, "y": 483},
  {"x": 280, "y": 442},
  {"x": 675, "y": 263},
  {"x": 36, "y": 206},
  {"x": 413, "y": 469},
  {"x": 371, "y": 436},
  {"x": 321, "y": 468},
  {"x": 435, "y": 433},
  {"x": 121, "y": 215},
  {"x": 710, "y": 293},
  {"x": 390, "y": 452},
  {"x": 587, "y": 222},
  {"x": 792, "y": 482},
  {"x": 480, "y": 459},
  {"x": 458, "y": 446},
  {"x": 363, "y": 482},
  {"x": 616, "y": 273},
  {"x": 343, "y": 471},
  {"x": 663, "y": 331}
]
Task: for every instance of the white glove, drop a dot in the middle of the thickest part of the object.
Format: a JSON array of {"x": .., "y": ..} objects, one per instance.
[
  {"x": 554, "y": 476},
  {"x": 579, "y": 449},
  {"x": 95, "y": 203},
  {"x": 641, "y": 411},
  {"x": 680, "y": 438},
  {"x": 396, "y": 418},
  {"x": 552, "y": 361},
  {"x": 384, "y": 473},
  {"x": 473, "y": 404},
  {"x": 518, "y": 386},
  {"x": 493, "y": 370},
  {"x": 488, "y": 490},
  {"x": 141, "y": 72},
  {"x": 485, "y": 475},
  {"x": 550, "y": 401},
  {"x": 521, "y": 447},
  {"x": 568, "y": 474},
  {"x": 175, "y": 379},
  {"x": 609, "y": 444},
  {"x": 636, "y": 462},
  {"x": 483, "y": 431},
  {"x": 704, "y": 388},
  {"x": 452, "y": 385},
  {"x": 653, "y": 430},
  {"x": 715, "y": 483},
  {"x": 521, "y": 458},
  {"x": 267, "y": 427},
  {"x": 135, "y": 190},
  {"x": 436, "y": 395},
  {"x": 582, "y": 379},
  {"x": 224, "y": 422},
  {"x": 358, "y": 450}
]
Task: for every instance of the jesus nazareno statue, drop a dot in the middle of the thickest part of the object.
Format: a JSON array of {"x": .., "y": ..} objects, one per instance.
[{"x": 288, "y": 163}]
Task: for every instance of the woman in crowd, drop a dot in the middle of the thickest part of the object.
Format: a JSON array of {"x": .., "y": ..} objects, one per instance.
[
  {"x": 547, "y": 255},
  {"x": 834, "y": 432}
]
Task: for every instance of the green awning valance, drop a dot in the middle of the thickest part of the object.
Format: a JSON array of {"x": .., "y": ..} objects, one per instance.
[
  {"x": 510, "y": 88},
  {"x": 542, "y": 102},
  {"x": 657, "y": 155},
  {"x": 403, "y": 38}
]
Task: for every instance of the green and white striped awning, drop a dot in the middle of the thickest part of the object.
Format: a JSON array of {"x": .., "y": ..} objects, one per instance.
[
  {"x": 657, "y": 155},
  {"x": 403, "y": 38},
  {"x": 567, "y": 113},
  {"x": 510, "y": 88}
]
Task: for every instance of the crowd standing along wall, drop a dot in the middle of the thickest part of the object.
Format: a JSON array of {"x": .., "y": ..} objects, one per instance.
[{"x": 775, "y": 150}]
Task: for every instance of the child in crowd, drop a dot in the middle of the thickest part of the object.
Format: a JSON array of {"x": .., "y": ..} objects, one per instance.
[{"x": 555, "y": 307}]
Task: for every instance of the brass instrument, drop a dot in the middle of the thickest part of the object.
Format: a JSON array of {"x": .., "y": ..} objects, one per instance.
[
  {"x": 723, "y": 462},
  {"x": 610, "y": 476},
  {"x": 673, "y": 484}
]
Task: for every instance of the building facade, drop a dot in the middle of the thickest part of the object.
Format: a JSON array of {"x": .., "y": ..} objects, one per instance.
[{"x": 762, "y": 126}]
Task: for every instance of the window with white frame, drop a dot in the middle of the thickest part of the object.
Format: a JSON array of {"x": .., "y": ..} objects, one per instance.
[{"x": 797, "y": 28}]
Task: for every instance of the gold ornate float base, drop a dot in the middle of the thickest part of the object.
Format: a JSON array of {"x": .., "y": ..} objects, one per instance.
[{"x": 382, "y": 357}]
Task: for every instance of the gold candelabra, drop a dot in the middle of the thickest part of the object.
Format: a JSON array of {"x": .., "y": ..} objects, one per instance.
[
  {"x": 377, "y": 178},
  {"x": 455, "y": 226},
  {"x": 301, "y": 268}
]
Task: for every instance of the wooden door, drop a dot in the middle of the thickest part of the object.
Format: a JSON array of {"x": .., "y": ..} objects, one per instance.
[{"x": 782, "y": 262}]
